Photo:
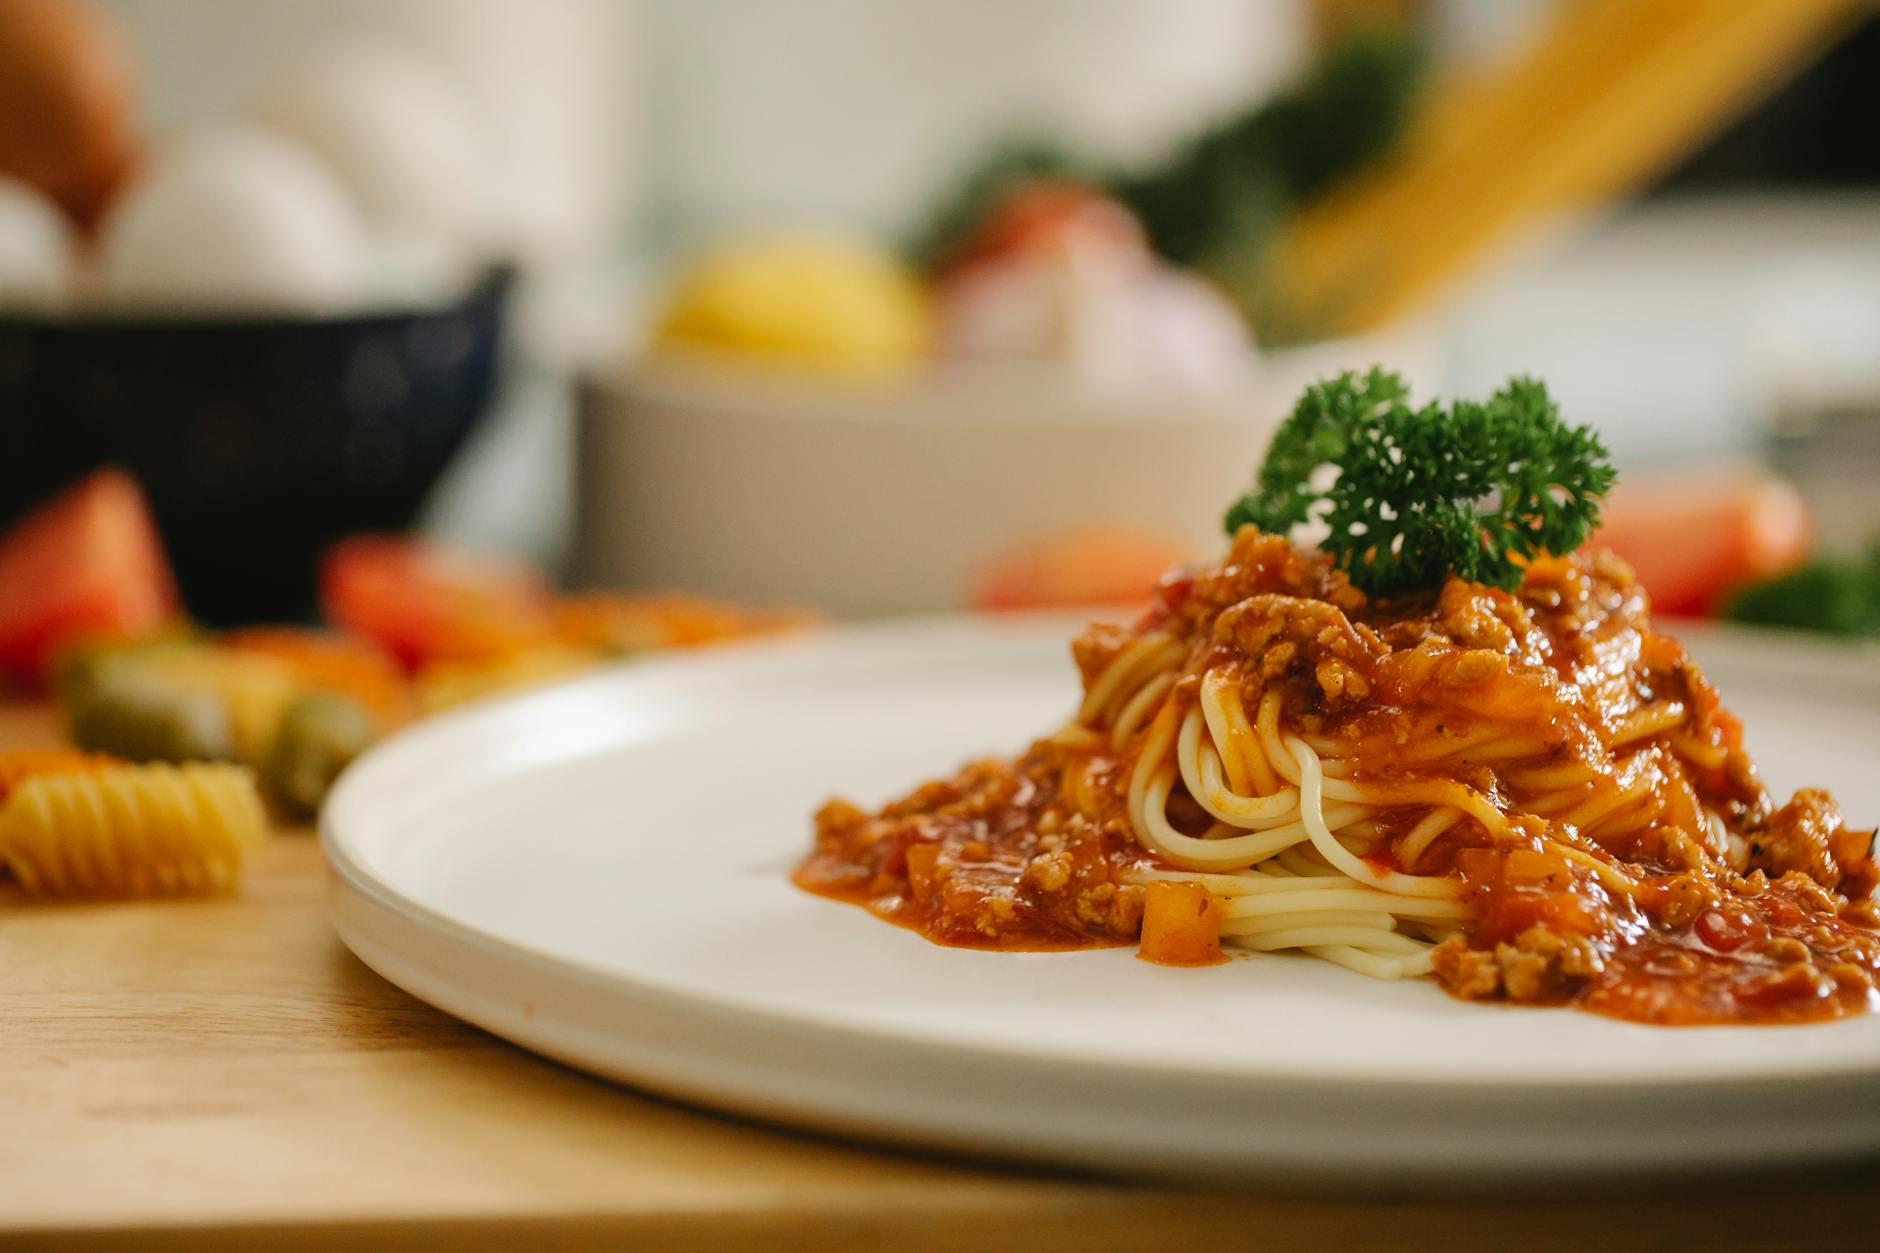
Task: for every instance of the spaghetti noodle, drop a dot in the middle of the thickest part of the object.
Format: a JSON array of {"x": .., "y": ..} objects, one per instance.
[{"x": 1530, "y": 795}]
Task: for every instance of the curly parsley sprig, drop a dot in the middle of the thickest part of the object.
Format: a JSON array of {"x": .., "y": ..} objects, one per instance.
[{"x": 1417, "y": 494}]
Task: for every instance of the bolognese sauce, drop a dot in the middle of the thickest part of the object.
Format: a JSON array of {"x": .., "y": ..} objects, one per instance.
[{"x": 1532, "y": 795}]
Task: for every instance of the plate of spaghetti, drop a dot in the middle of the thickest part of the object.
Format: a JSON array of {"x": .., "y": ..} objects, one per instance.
[{"x": 1395, "y": 841}]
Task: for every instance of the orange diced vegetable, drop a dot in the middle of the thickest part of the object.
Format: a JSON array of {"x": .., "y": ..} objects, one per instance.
[
  {"x": 1529, "y": 867},
  {"x": 1181, "y": 925},
  {"x": 331, "y": 661}
]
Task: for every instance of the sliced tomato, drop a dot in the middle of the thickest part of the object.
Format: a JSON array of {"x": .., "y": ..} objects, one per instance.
[
  {"x": 1045, "y": 214},
  {"x": 1693, "y": 541},
  {"x": 425, "y": 603},
  {"x": 85, "y": 564},
  {"x": 1091, "y": 566}
]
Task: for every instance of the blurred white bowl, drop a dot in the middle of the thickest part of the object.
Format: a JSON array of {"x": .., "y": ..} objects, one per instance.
[{"x": 871, "y": 501}]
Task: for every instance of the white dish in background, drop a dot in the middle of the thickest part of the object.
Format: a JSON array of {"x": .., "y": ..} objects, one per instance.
[
  {"x": 888, "y": 499},
  {"x": 598, "y": 872}
]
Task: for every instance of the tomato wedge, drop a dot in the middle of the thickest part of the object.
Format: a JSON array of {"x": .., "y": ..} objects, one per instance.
[
  {"x": 1047, "y": 214},
  {"x": 1093, "y": 566},
  {"x": 425, "y": 603},
  {"x": 87, "y": 563},
  {"x": 1693, "y": 541}
]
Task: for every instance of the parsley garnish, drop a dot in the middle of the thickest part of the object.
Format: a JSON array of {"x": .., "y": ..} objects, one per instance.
[{"x": 1418, "y": 494}]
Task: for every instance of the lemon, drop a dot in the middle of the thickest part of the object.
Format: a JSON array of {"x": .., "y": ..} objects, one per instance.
[{"x": 825, "y": 305}]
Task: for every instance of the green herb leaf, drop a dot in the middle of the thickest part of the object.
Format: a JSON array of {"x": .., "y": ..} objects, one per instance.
[
  {"x": 1419, "y": 494},
  {"x": 1832, "y": 595}
]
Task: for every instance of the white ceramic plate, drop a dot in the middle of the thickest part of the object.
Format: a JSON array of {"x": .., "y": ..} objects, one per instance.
[{"x": 598, "y": 872}]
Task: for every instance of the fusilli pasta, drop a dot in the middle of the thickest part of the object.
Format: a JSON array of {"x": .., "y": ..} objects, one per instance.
[
  {"x": 19, "y": 764},
  {"x": 131, "y": 830}
]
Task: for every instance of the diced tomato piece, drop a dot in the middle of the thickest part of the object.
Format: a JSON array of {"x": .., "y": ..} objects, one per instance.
[
  {"x": 1479, "y": 867},
  {"x": 1779, "y": 911},
  {"x": 1694, "y": 541},
  {"x": 86, "y": 564},
  {"x": 1171, "y": 592},
  {"x": 1725, "y": 931},
  {"x": 1173, "y": 589},
  {"x": 1095, "y": 566},
  {"x": 425, "y": 603},
  {"x": 1043, "y": 214}
]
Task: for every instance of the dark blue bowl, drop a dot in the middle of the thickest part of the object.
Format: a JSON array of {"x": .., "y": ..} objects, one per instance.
[{"x": 258, "y": 442}]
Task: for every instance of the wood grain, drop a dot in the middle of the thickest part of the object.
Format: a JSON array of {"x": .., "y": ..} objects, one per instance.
[{"x": 223, "y": 1075}]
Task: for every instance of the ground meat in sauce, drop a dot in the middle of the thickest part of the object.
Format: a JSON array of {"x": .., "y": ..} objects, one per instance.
[
  {"x": 1537, "y": 965},
  {"x": 985, "y": 859},
  {"x": 1741, "y": 911}
]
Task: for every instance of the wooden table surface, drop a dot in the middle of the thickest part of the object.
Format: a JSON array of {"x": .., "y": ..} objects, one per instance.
[{"x": 223, "y": 1074}]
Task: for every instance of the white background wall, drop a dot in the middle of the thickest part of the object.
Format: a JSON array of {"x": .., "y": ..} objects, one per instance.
[
  {"x": 556, "y": 80},
  {"x": 852, "y": 110},
  {"x": 720, "y": 113}
]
